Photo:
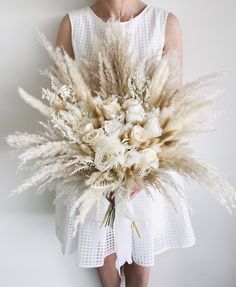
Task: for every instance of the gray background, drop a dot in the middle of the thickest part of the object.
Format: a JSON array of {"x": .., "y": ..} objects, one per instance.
[{"x": 30, "y": 253}]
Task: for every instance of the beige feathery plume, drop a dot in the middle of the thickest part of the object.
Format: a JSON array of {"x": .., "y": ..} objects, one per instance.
[
  {"x": 33, "y": 102},
  {"x": 182, "y": 160},
  {"x": 158, "y": 81}
]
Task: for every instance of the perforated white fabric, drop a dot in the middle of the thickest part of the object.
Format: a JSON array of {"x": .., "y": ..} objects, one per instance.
[{"x": 160, "y": 225}]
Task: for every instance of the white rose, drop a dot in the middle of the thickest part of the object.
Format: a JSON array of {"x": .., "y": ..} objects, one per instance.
[
  {"x": 138, "y": 135},
  {"x": 92, "y": 136},
  {"x": 104, "y": 160},
  {"x": 148, "y": 159},
  {"x": 131, "y": 157},
  {"x": 152, "y": 128},
  {"x": 131, "y": 102},
  {"x": 86, "y": 127},
  {"x": 134, "y": 111},
  {"x": 112, "y": 126},
  {"x": 100, "y": 142},
  {"x": 110, "y": 108},
  {"x": 156, "y": 148},
  {"x": 121, "y": 116}
]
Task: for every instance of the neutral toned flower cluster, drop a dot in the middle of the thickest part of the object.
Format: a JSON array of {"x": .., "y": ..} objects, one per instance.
[{"x": 116, "y": 124}]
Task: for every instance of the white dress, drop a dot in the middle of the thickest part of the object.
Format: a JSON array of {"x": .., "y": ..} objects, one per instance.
[{"x": 161, "y": 227}]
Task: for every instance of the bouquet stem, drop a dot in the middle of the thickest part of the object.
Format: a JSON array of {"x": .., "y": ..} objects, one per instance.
[{"x": 109, "y": 218}]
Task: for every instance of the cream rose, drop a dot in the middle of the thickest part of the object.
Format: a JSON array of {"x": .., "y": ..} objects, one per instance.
[
  {"x": 137, "y": 135},
  {"x": 92, "y": 136},
  {"x": 152, "y": 128},
  {"x": 86, "y": 127},
  {"x": 134, "y": 111},
  {"x": 104, "y": 160},
  {"x": 112, "y": 126},
  {"x": 131, "y": 157},
  {"x": 110, "y": 108},
  {"x": 148, "y": 159}
]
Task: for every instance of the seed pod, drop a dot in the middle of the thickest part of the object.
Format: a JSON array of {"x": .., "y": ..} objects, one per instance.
[
  {"x": 154, "y": 141},
  {"x": 96, "y": 123},
  {"x": 145, "y": 144},
  {"x": 59, "y": 106},
  {"x": 86, "y": 149},
  {"x": 125, "y": 135},
  {"x": 99, "y": 113},
  {"x": 129, "y": 172}
]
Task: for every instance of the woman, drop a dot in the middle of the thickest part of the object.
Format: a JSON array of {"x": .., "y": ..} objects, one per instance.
[{"x": 154, "y": 26}]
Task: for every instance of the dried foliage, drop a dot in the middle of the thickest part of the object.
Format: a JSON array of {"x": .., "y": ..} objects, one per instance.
[{"x": 114, "y": 124}]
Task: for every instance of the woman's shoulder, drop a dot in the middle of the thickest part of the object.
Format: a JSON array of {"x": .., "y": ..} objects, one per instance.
[
  {"x": 75, "y": 12},
  {"x": 165, "y": 13},
  {"x": 69, "y": 18}
]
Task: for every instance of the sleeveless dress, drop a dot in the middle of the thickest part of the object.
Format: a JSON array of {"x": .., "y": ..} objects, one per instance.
[{"x": 161, "y": 227}]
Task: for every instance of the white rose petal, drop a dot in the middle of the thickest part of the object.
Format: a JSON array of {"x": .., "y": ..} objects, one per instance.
[
  {"x": 131, "y": 157},
  {"x": 149, "y": 159},
  {"x": 110, "y": 108},
  {"x": 152, "y": 128},
  {"x": 104, "y": 160},
  {"x": 100, "y": 142},
  {"x": 87, "y": 127},
  {"x": 112, "y": 126},
  {"x": 132, "y": 102},
  {"x": 156, "y": 148},
  {"x": 135, "y": 113},
  {"x": 138, "y": 135},
  {"x": 91, "y": 136}
]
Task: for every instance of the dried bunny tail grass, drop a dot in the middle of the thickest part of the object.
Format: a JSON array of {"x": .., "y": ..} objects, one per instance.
[
  {"x": 183, "y": 161},
  {"x": 33, "y": 102}
]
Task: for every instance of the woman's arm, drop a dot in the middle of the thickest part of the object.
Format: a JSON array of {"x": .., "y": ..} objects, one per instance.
[
  {"x": 64, "y": 36},
  {"x": 173, "y": 39}
]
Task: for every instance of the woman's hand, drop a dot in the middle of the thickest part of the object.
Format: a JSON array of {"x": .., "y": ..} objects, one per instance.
[
  {"x": 111, "y": 197},
  {"x": 134, "y": 192}
]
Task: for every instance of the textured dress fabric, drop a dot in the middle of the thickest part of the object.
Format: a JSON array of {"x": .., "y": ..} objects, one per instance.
[{"x": 161, "y": 227}]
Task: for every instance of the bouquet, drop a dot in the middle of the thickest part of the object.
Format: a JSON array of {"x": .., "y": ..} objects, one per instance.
[{"x": 118, "y": 124}]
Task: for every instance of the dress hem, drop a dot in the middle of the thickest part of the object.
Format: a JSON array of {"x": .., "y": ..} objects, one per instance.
[{"x": 170, "y": 247}]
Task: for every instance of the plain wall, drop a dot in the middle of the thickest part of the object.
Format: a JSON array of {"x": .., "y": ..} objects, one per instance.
[{"x": 30, "y": 253}]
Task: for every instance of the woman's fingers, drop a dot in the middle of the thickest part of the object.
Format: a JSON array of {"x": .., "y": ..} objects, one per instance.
[
  {"x": 110, "y": 196},
  {"x": 134, "y": 192}
]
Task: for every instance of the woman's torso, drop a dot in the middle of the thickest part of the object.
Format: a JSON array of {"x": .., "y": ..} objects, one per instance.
[{"x": 148, "y": 30}]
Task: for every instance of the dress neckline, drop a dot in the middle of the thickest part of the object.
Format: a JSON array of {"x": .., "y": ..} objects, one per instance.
[{"x": 121, "y": 22}]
